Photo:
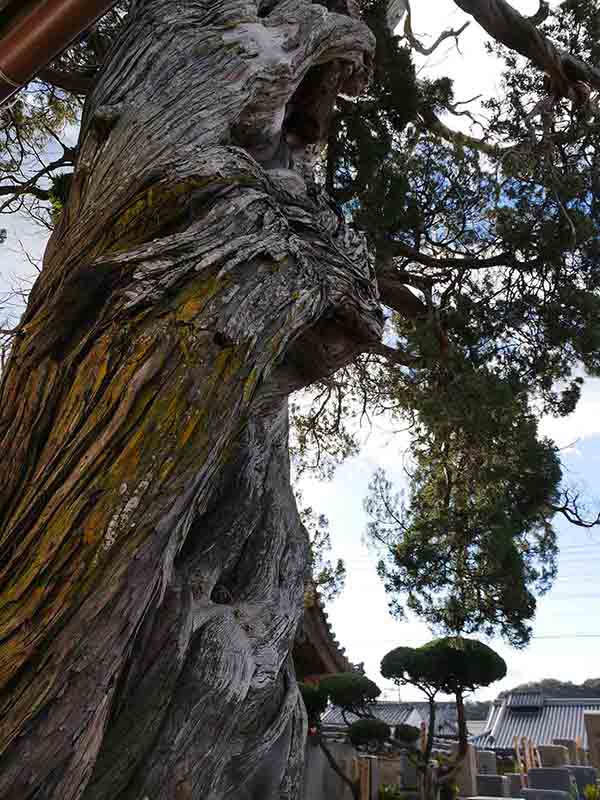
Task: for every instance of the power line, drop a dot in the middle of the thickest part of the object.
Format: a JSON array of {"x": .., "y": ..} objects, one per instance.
[{"x": 568, "y": 636}]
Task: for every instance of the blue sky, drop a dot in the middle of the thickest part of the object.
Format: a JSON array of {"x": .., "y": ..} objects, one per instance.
[{"x": 360, "y": 617}]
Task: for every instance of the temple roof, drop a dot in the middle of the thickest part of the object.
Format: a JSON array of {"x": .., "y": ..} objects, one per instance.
[
  {"x": 536, "y": 717},
  {"x": 316, "y": 650}
]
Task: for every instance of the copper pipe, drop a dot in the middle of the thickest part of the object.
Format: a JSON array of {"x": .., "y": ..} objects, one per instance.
[{"x": 40, "y": 36}]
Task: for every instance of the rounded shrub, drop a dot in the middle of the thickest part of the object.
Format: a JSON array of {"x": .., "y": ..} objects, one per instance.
[
  {"x": 315, "y": 700},
  {"x": 349, "y": 689},
  {"x": 407, "y": 734},
  {"x": 368, "y": 732},
  {"x": 451, "y": 664}
]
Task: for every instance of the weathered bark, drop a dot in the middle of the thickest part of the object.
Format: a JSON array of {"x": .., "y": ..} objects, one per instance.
[{"x": 151, "y": 556}]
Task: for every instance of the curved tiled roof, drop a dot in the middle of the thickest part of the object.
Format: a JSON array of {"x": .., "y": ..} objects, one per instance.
[
  {"x": 552, "y": 718},
  {"x": 316, "y": 650},
  {"x": 402, "y": 712},
  {"x": 392, "y": 713}
]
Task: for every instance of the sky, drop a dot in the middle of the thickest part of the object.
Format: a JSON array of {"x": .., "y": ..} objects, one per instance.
[{"x": 566, "y": 642}]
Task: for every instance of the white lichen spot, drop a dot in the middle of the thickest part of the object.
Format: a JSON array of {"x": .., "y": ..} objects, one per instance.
[{"x": 121, "y": 518}]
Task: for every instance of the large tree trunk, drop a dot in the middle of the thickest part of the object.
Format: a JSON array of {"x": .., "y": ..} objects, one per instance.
[{"x": 151, "y": 556}]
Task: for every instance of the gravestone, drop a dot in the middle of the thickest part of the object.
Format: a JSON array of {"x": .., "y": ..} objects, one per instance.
[
  {"x": 584, "y": 776},
  {"x": 545, "y": 794},
  {"x": 592, "y": 727},
  {"x": 466, "y": 777},
  {"x": 483, "y": 797},
  {"x": 515, "y": 783},
  {"x": 553, "y": 755},
  {"x": 492, "y": 785},
  {"x": 486, "y": 762},
  {"x": 582, "y": 757},
  {"x": 571, "y": 746},
  {"x": 558, "y": 778},
  {"x": 375, "y": 774},
  {"x": 408, "y": 773}
]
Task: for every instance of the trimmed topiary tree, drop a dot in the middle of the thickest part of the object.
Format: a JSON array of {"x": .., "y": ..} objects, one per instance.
[
  {"x": 352, "y": 693},
  {"x": 407, "y": 734},
  {"x": 315, "y": 700},
  {"x": 369, "y": 732},
  {"x": 452, "y": 665}
]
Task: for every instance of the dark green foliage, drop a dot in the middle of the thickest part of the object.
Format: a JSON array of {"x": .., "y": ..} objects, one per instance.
[
  {"x": 451, "y": 665},
  {"x": 60, "y": 186},
  {"x": 498, "y": 259},
  {"x": 406, "y": 733},
  {"x": 512, "y": 315},
  {"x": 351, "y": 691},
  {"x": 474, "y": 542},
  {"x": 327, "y": 577},
  {"x": 315, "y": 700},
  {"x": 358, "y": 169},
  {"x": 368, "y": 732}
]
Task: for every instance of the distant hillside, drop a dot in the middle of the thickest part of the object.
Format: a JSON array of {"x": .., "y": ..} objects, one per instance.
[{"x": 554, "y": 688}]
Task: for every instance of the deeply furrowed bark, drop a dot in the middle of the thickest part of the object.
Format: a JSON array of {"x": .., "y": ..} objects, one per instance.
[{"x": 151, "y": 556}]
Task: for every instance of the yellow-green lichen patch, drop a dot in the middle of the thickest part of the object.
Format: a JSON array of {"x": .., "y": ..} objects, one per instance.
[
  {"x": 250, "y": 384},
  {"x": 191, "y": 300},
  {"x": 195, "y": 418},
  {"x": 151, "y": 212}
]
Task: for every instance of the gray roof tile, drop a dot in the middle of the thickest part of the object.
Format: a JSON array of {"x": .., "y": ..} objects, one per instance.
[{"x": 554, "y": 718}]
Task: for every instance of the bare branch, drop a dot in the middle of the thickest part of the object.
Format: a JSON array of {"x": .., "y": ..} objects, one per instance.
[
  {"x": 572, "y": 511},
  {"x": 416, "y": 44}
]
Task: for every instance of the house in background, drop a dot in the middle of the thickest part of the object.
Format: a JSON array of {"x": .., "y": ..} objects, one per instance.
[
  {"x": 400, "y": 713},
  {"x": 476, "y": 727},
  {"x": 536, "y": 717}
]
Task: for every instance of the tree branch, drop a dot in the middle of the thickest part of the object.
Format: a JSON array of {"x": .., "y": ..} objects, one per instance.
[
  {"x": 519, "y": 33},
  {"x": 336, "y": 767},
  {"x": 541, "y": 14},
  {"x": 30, "y": 187},
  {"x": 68, "y": 81},
  {"x": 505, "y": 258},
  {"x": 395, "y": 294},
  {"x": 392, "y": 354},
  {"x": 433, "y": 123},
  {"x": 18, "y": 189},
  {"x": 571, "y": 511}
]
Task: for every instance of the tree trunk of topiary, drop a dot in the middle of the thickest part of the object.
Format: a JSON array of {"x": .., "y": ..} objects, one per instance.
[{"x": 152, "y": 561}]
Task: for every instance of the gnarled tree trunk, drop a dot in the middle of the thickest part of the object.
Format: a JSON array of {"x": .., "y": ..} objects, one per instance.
[{"x": 151, "y": 556}]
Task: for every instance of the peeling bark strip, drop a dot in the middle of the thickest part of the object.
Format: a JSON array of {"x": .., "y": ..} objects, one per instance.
[{"x": 151, "y": 556}]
